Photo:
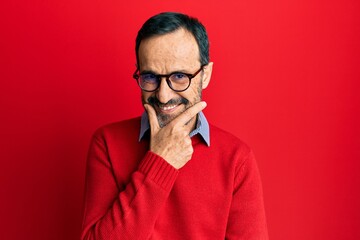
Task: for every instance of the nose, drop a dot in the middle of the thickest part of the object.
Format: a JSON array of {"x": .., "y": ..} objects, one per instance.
[{"x": 164, "y": 93}]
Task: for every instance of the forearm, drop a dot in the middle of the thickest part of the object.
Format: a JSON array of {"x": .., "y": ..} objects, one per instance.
[
  {"x": 247, "y": 214},
  {"x": 128, "y": 213}
]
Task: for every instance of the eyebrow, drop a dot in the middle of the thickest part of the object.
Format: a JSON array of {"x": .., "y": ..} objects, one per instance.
[
  {"x": 152, "y": 72},
  {"x": 148, "y": 72}
]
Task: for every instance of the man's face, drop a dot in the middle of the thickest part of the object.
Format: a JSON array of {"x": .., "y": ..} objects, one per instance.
[{"x": 172, "y": 52}]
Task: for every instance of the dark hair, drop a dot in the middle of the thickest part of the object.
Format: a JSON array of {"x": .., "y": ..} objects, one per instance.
[{"x": 168, "y": 22}]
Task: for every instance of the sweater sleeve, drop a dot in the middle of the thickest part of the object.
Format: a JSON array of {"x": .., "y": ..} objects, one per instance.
[
  {"x": 128, "y": 213},
  {"x": 247, "y": 215}
]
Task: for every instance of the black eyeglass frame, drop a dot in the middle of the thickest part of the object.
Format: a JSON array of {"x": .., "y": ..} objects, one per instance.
[{"x": 136, "y": 76}]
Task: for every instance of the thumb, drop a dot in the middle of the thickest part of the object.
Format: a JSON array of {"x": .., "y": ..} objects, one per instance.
[{"x": 154, "y": 124}]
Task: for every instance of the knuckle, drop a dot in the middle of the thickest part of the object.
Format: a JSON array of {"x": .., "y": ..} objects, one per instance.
[
  {"x": 191, "y": 151},
  {"x": 171, "y": 125},
  {"x": 190, "y": 113},
  {"x": 187, "y": 141}
]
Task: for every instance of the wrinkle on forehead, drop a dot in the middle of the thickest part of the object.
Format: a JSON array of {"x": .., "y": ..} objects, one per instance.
[{"x": 170, "y": 52}]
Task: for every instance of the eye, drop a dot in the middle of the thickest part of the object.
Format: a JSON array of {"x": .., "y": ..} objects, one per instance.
[
  {"x": 178, "y": 76},
  {"x": 148, "y": 78}
]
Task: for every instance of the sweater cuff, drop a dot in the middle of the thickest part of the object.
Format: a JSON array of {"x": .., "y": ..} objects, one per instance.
[{"x": 158, "y": 170}]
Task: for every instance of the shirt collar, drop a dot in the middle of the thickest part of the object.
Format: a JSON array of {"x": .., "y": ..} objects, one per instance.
[{"x": 202, "y": 127}]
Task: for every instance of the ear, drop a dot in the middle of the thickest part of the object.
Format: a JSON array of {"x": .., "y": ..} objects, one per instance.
[{"x": 207, "y": 75}]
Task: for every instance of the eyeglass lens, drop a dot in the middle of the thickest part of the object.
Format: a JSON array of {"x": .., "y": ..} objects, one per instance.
[{"x": 176, "y": 81}]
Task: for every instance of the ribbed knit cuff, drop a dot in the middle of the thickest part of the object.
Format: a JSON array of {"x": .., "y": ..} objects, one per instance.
[{"x": 158, "y": 170}]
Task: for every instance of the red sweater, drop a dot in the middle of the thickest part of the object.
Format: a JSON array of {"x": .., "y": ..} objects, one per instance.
[{"x": 132, "y": 193}]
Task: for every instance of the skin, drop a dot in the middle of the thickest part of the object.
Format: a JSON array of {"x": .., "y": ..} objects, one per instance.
[{"x": 171, "y": 123}]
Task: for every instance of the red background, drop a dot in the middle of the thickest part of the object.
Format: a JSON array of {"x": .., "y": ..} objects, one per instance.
[{"x": 286, "y": 79}]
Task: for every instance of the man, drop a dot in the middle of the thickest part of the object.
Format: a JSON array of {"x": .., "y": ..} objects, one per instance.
[{"x": 171, "y": 182}]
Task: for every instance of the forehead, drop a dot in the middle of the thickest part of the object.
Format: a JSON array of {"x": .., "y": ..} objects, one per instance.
[{"x": 169, "y": 52}]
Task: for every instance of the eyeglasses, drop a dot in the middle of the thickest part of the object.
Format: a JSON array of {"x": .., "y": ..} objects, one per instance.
[{"x": 177, "y": 81}]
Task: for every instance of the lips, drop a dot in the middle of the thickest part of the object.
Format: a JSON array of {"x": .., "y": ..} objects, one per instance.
[{"x": 168, "y": 108}]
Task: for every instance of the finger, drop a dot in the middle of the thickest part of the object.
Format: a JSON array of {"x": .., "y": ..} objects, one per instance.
[
  {"x": 154, "y": 124},
  {"x": 189, "y": 113}
]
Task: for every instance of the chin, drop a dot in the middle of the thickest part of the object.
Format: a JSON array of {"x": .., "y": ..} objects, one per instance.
[{"x": 165, "y": 119}]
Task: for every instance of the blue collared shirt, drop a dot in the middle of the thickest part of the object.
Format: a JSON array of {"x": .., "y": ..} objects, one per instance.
[{"x": 202, "y": 127}]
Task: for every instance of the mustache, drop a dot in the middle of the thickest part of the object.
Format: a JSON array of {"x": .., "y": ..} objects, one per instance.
[{"x": 154, "y": 101}]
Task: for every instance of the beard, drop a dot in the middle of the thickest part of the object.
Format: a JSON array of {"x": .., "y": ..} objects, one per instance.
[{"x": 164, "y": 119}]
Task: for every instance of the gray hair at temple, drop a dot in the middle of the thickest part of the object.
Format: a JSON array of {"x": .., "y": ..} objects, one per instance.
[{"x": 168, "y": 22}]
